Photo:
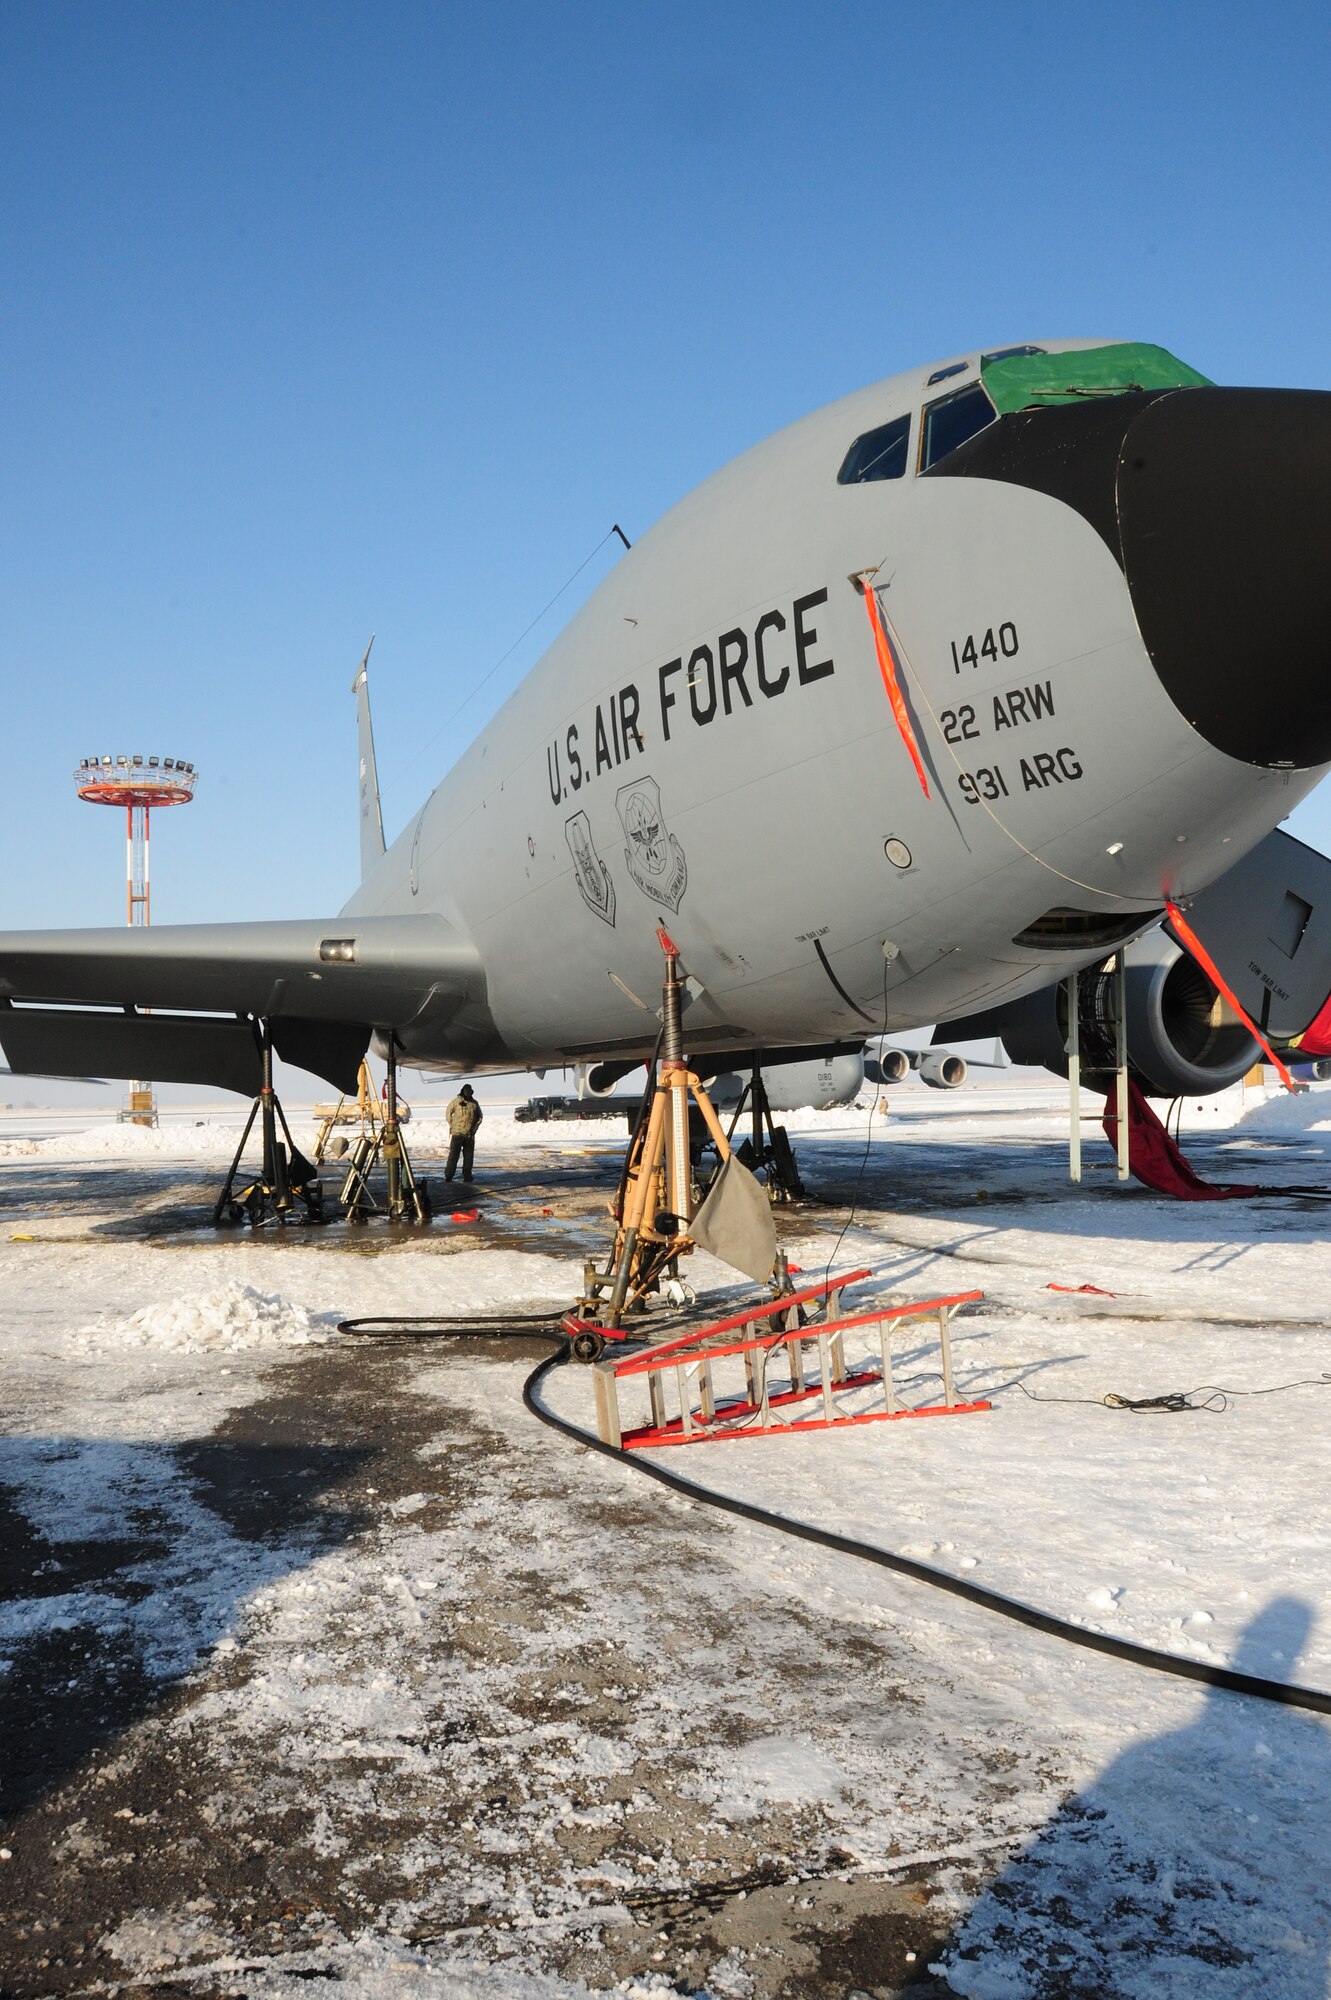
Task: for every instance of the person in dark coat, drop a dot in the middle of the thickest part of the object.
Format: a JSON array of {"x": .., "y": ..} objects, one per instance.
[{"x": 464, "y": 1122}]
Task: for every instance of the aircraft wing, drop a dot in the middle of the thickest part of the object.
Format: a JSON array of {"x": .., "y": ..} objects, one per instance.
[
  {"x": 79, "y": 1000},
  {"x": 52, "y": 1076}
]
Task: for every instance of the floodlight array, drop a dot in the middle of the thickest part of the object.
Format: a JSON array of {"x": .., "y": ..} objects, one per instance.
[{"x": 128, "y": 780}]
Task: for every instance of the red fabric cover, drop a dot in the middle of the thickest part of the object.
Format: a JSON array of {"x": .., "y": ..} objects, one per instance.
[
  {"x": 1155, "y": 1159},
  {"x": 1316, "y": 1039}
]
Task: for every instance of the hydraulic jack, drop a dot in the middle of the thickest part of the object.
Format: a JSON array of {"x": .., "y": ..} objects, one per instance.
[
  {"x": 405, "y": 1198},
  {"x": 655, "y": 1201},
  {"x": 286, "y": 1181},
  {"x": 768, "y": 1145}
]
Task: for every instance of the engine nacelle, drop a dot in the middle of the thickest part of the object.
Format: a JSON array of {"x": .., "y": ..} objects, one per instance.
[
  {"x": 1267, "y": 926},
  {"x": 601, "y": 1079},
  {"x": 1183, "y": 1040},
  {"x": 943, "y": 1071},
  {"x": 811, "y": 1075},
  {"x": 889, "y": 1066}
]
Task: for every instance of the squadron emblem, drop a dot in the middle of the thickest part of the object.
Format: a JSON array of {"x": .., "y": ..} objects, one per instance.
[
  {"x": 654, "y": 856},
  {"x": 593, "y": 877}
]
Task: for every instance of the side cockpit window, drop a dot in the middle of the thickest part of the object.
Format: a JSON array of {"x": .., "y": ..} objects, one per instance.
[
  {"x": 951, "y": 420},
  {"x": 879, "y": 454}
]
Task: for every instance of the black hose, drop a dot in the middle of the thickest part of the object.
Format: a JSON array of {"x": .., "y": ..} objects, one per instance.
[
  {"x": 463, "y": 1327},
  {"x": 1316, "y": 1699},
  {"x": 543, "y": 1326}
]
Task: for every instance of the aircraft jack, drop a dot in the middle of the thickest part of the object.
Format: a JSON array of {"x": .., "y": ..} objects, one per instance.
[
  {"x": 363, "y": 1110},
  {"x": 767, "y": 1147},
  {"x": 286, "y": 1182},
  {"x": 655, "y": 1201},
  {"x": 405, "y": 1198}
]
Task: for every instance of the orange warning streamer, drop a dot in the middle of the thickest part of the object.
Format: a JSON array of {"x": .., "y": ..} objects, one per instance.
[
  {"x": 1193, "y": 945},
  {"x": 888, "y": 668}
]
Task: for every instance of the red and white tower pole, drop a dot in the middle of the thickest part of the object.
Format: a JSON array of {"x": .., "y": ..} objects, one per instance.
[{"x": 138, "y": 784}]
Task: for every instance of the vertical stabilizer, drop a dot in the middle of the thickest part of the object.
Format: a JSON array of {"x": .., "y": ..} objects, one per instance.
[{"x": 371, "y": 813}]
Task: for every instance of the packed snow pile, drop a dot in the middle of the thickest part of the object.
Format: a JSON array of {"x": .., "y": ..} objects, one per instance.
[
  {"x": 1291, "y": 1111},
  {"x": 427, "y": 1134},
  {"x": 236, "y": 1317},
  {"x": 205, "y": 1138}
]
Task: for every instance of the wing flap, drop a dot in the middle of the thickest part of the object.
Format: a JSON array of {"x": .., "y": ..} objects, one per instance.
[{"x": 46, "y": 1041}]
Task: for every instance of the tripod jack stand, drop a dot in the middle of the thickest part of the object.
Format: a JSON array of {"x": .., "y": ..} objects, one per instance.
[
  {"x": 286, "y": 1179},
  {"x": 767, "y": 1146},
  {"x": 655, "y": 1205},
  {"x": 406, "y": 1198}
]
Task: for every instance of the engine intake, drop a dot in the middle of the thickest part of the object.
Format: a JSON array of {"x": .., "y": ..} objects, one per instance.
[
  {"x": 889, "y": 1066},
  {"x": 944, "y": 1072},
  {"x": 1183, "y": 1039}
]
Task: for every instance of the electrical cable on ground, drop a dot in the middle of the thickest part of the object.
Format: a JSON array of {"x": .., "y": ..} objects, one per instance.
[
  {"x": 1170, "y": 1405},
  {"x": 542, "y": 1326},
  {"x": 868, "y": 1139},
  {"x": 1213, "y": 1399}
]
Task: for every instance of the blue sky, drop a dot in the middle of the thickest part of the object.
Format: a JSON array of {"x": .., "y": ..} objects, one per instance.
[{"x": 321, "y": 320}]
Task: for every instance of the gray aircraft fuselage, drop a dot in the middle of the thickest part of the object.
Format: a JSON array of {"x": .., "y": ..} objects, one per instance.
[
  {"x": 1110, "y": 614},
  {"x": 709, "y": 746}
]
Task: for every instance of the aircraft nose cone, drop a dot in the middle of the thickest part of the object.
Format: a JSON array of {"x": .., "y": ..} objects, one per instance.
[{"x": 1224, "y": 521}]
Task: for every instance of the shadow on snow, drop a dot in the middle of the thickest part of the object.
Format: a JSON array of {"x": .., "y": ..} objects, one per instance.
[
  {"x": 123, "y": 1564},
  {"x": 1194, "y": 1868}
]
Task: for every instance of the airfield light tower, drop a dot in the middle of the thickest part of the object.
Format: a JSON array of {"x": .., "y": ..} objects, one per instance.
[{"x": 138, "y": 784}]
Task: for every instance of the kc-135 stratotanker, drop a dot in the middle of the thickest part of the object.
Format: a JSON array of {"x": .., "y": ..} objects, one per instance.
[{"x": 1105, "y": 616}]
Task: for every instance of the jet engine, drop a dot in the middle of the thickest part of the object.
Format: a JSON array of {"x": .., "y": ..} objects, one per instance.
[
  {"x": 600, "y": 1079},
  {"x": 794, "y": 1078},
  {"x": 889, "y": 1066},
  {"x": 943, "y": 1071},
  {"x": 1183, "y": 1039},
  {"x": 939, "y": 1068}
]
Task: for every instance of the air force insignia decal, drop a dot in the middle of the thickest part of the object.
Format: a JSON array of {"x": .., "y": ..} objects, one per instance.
[
  {"x": 654, "y": 856},
  {"x": 594, "y": 884}
]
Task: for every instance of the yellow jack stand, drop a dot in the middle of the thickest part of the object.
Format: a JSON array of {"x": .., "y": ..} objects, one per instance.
[
  {"x": 406, "y": 1199},
  {"x": 362, "y": 1110},
  {"x": 655, "y": 1202}
]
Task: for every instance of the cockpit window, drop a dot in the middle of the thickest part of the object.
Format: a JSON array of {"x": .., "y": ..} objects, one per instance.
[
  {"x": 941, "y": 374},
  {"x": 879, "y": 454},
  {"x": 1006, "y": 354},
  {"x": 951, "y": 420}
]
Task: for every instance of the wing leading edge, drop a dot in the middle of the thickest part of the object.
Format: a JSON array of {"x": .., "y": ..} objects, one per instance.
[{"x": 324, "y": 987}]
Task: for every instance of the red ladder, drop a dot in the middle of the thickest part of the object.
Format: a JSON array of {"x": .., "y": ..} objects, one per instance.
[{"x": 771, "y": 1344}]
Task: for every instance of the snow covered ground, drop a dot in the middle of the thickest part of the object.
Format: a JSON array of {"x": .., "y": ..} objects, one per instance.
[{"x": 472, "y": 1709}]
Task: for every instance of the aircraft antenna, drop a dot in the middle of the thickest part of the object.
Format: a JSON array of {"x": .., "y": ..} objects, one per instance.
[{"x": 614, "y": 529}]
